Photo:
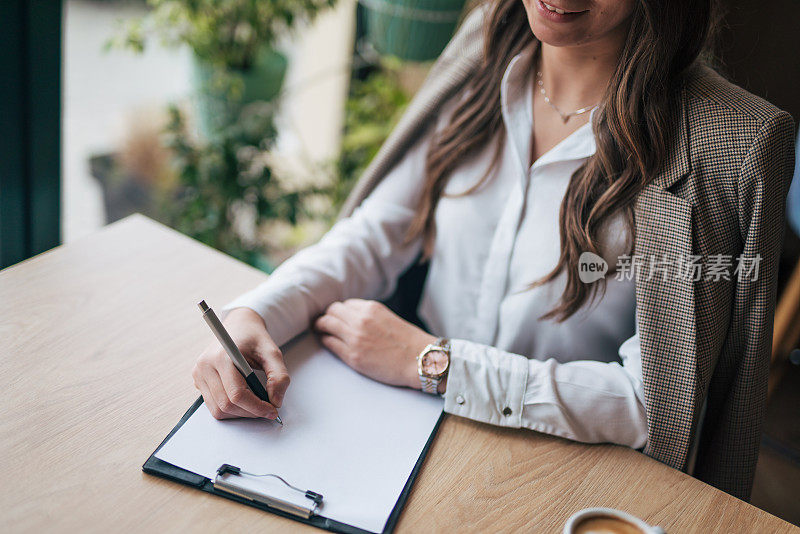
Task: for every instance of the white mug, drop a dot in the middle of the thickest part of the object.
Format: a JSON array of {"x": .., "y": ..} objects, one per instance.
[{"x": 588, "y": 513}]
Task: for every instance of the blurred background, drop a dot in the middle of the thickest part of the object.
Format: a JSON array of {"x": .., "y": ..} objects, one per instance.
[{"x": 244, "y": 124}]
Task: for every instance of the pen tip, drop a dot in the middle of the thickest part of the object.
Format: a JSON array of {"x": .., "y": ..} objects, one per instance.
[
  {"x": 203, "y": 306},
  {"x": 278, "y": 419}
]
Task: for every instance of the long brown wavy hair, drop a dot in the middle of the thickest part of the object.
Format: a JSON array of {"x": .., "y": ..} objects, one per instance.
[{"x": 633, "y": 127}]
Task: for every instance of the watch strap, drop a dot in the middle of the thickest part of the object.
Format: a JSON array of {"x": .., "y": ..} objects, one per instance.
[{"x": 430, "y": 385}]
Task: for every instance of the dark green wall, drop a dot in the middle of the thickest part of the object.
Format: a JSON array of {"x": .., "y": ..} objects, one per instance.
[{"x": 30, "y": 127}]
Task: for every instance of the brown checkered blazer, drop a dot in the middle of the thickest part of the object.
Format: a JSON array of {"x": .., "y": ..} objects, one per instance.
[{"x": 722, "y": 191}]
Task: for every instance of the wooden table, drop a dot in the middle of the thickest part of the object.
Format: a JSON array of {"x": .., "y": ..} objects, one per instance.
[{"x": 98, "y": 340}]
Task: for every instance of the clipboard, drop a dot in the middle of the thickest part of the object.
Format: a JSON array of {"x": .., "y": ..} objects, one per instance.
[{"x": 157, "y": 467}]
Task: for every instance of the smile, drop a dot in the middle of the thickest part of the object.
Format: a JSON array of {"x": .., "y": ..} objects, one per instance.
[
  {"x": 549, "y": 8},
  {"x": 558, "y": 10}
]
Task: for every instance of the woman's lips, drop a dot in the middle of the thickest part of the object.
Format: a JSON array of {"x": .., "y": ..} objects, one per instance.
[{"x": 557, "y": 14}]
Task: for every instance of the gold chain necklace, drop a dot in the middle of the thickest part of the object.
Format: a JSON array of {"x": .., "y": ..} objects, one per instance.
[{"x": 564, "y": 116}]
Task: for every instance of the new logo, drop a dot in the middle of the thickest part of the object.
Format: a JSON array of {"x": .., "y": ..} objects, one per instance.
[{"x": 591, "y": 267}]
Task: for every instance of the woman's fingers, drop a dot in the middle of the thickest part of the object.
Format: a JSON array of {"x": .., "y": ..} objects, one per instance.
[
  {"x": 271, "y": 360},
  {"x": 240, "y": 395},
  {"x": 224, "y": 389},
  {"x": 333, "y": 325},
  {"x": 201, "y": 372},
  {"x": 343, "y": 310},
  {"x": 224, "y": 403},
  {"x": 208, "y": 399},
  {"x": 335, "y": 345},
  {"x": 214, "y": 405}
]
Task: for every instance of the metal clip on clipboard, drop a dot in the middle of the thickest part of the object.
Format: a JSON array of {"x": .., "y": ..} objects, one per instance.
[{"x": 226, "y": 481}]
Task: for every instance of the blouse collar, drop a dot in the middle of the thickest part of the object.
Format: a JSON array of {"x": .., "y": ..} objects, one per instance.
[{"x": 516, "y": 104}]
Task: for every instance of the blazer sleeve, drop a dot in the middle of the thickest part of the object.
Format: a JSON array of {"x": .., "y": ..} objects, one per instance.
[{"x": 736, "y": 398}]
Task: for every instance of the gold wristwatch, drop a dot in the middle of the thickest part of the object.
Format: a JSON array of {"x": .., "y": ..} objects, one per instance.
[{"x": 432, "y": 365}]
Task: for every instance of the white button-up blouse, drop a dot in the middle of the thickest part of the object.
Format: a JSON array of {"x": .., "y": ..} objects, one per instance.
[{"x": 580, "y": 379}]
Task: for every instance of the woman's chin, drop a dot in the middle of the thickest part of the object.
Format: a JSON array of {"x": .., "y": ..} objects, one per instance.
[
  {"x": 558, "y": 38},
  {"x": 558, "y": 33}
]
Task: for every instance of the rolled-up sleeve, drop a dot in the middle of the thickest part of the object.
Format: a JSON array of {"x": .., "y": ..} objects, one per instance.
[{"x": 588, "y": 401}]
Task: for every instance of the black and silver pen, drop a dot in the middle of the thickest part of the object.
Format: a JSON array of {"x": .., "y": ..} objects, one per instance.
[{"x": 235, "y": 355}]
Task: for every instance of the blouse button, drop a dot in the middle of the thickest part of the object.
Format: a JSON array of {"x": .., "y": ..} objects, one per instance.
[
  {"x": 459, "y": 399},
  {"x": 507, "y": 411}
]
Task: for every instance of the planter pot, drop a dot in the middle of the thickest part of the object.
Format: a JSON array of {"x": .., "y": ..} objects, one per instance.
[
  {"x": 123, "y": 194},
  {"x": 414, "y": 30},
  {"x": 221, "y": 93}
]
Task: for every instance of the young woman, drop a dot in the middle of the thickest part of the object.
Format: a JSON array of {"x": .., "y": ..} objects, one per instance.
[{"x": 548, "y": 139}]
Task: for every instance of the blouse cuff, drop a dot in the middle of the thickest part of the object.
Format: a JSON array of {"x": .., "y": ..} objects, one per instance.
[
  {"x": 278, "y": 327},
  {"x": 485, "y": 384}
]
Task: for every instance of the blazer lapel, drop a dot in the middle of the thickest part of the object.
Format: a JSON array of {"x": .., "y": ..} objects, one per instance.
[{"x": 666, "y": 307}]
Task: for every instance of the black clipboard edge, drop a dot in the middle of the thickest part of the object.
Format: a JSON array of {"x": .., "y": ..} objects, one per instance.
[
  {"x": 401, "y": 500},
  {"x": 156, "y": 467}
]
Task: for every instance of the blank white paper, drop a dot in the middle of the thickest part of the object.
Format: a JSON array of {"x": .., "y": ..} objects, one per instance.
[{"x": 345, "y": 436}]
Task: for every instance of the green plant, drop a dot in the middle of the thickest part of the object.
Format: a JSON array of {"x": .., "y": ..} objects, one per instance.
[
  {"x": 227, "y": 190},
  {"x": 373, "y": 107},
  {"x": 223, "y": 33}
]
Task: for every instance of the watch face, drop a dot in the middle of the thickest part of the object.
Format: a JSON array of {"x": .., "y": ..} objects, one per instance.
[{"x": 435, "y": 363}]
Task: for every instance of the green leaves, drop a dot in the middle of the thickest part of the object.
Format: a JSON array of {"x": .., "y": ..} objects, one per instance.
[
  {"x": 373, "y": 108},
  {"x": 227, "y": 190},
  {"x": 226, "y": 33}
]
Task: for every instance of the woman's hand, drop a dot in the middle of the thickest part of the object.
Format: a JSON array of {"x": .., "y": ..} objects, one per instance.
[
  {"x": 374, "y": 341},
  {"x": 224, "y": 389}
]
